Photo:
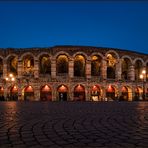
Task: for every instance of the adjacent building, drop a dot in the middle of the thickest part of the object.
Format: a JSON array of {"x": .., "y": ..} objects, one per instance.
[{"x": 73, "y": 73}]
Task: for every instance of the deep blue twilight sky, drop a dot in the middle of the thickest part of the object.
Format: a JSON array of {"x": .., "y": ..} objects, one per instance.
[{"x": 103, "y": 24}]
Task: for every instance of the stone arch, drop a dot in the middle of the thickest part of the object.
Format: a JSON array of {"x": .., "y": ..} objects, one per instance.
[
  {"x": 12, "y": 64},
  {"x": 96, "y": 93},
  {"x": 81, "y": 53},
  {"x": 43, "y": 53},
  {"x": 112, "y": 51},
  {"x": 140, "y": 59},
  {"x": 27, "y": 53},
  {"x": 44, "y": 63},
  {"x": 111, "y": 92},
  {"x": 62, "y": 62},
  {"x": 126, "y": 64},
  {"x": 98, "y": 54},
  {"x": 62, "y": 91},
  {"x": 128, "y": 57},
  {"x": 126, "y": 93},
  {"x": 13, "y": 90},
  {"x": 79, "y": 93},
  {"x": 62, "y": 53},
  {"x": 28, "y": 93},
  {"x": 96, "y": 64},
  {"x": 28, "y": 61},
  {"x": 138, "y": 93},
  {"x": 138, "y": 68},
  {"x": 112, "y": 58},
  {"x": 79, "y": 65},
  {"x": 45, "y": 93}
]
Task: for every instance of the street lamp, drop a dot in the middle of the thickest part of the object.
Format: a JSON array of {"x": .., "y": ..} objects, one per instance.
[{"x": 142, "y": 77}]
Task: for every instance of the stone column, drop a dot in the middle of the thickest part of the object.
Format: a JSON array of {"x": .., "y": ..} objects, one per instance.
[
  {"x": 36, "y": 93},
  {"x": 36, "y": 69},
  {"x": 103, "y": 93},
  {"x": 53, "y": 68},
  {"x": 19, "y": 68},
  {"x": 71, "y": 68},
  {"x": 104, "y": 69},
  {"x": 54, "y": 94},
  {"x": 132, "y": 73},
  {"x": 88, "y": 69},
  {"x": 118, "y": 70},
  {"x": 4, "y": 68}
]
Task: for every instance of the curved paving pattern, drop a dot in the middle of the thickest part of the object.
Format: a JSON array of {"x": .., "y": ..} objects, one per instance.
[{"x": 74, "y": 124}]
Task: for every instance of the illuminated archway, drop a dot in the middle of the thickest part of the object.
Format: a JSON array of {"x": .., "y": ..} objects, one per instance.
[
  {"x": 96, "y": 65},
  {"x": 79, "y": 66},
  {"x": 110, "y": 93},
  {"x": 2, "y": 94},
  {"x": 62, "y": 64},
  {"x": 45, "y": 65},
  {"x": 12, "y": 63},
  {"x": 126, "y": 94},
  {"x": 62, "y": 93},
  {"x": 13, "y": 93},
  {"x": 28, "y": 93},
  {"x": 45, "y": 93},
  {"x": 111, "y": 66},
  {"x": 138, "y": 94},
  {"x": 28, "y": 65},
  {"x": 95, "y": 93},
  {"x": 79, "y": 93}
]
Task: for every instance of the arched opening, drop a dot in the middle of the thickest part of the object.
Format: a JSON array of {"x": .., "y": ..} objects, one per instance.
[
  {"x": 138, "y": 94},
  {"x": 126, "y": 69},
  {"x": 28, "y": 93},
  {"x": 138, "y": 69},
  {"x": 63, "y": 93},
  {"x": 1, "y": 67},
  {"x": 28, "y": 65},
  {"x": 45, "y": 65},
  {"x": 96, "y": 66},
  {"x": 95, "y": 93},
  {"x": 62, "y": 65},
  {"x": 110, "y": 93},
  {"x": 79, "y": 93},
  {"x": 46, "y": 93},
  {"x": 111, "y": 66},
  {"x": 79, "y": 66},
  {"x": 2, "y": 94},
  {"x": 13, "y": 93},
  {"x": 126, "y": 94},
  {"x": 12, "y": 63}
]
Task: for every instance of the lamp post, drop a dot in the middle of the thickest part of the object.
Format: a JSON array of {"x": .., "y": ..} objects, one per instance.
[
  {"x": 142, "y": 77},
  {"x": 9, "y": 79}
]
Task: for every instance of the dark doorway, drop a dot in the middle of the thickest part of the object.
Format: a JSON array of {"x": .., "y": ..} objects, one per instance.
[{"x": 62, "y": 96}]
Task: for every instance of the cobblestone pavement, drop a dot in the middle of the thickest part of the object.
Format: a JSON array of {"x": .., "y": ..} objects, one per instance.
[{"x": 74, "y": 124}]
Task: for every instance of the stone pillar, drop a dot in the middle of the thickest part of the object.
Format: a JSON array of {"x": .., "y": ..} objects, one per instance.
[
  {"x": 20, "y": 97},
  {"x": 54, "y": 93},
  {"x": 36, "y": 69},
  {"x": 103, "y": 93},
  {"x": 88, "y": 69},
  {"x": 118, "y": 70},
  {"x": 5, "y": 92},
  {"x": 20, "y": 68},
  {"x": 104, "y": 69},
  {"x": 132, "y": 73},
  {"x": 53, "y": 68},
  {"x": 4, "y": 68},
  {"x": 36, "y": 93},
  {"x": 71, "y": 68}
]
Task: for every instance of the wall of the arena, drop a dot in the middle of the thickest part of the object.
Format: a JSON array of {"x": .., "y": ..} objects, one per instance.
[{"x": 76, "y": 77}]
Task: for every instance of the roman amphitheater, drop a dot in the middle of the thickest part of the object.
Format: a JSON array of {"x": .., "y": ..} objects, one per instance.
[{"x": 73, "y": 73}]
